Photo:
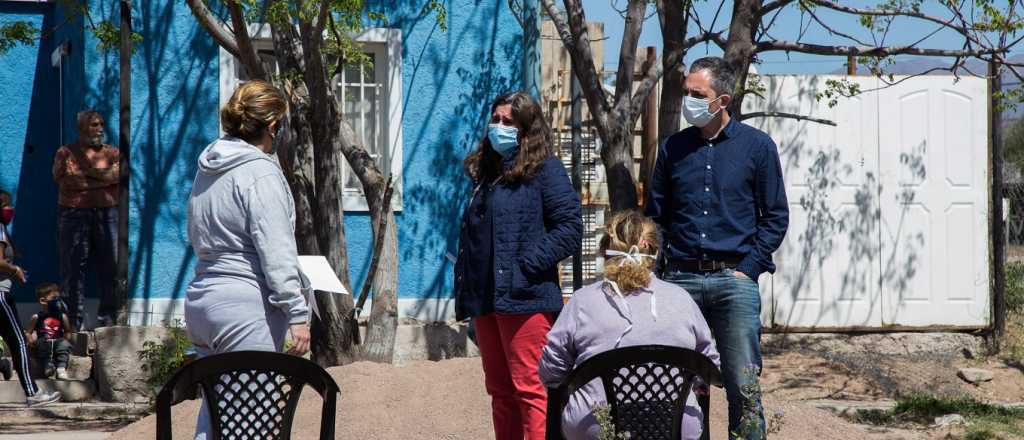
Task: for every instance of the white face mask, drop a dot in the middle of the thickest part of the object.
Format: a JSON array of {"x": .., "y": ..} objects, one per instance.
[{"x": 695, "y": 110}]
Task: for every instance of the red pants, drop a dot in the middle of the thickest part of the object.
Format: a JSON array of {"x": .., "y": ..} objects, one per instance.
[{"x": 510, "y": 347}]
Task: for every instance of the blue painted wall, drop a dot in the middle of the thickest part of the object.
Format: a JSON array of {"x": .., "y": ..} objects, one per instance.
[
  {"x": 173, "y": 117},
  {"x": 29, "y": 140},
  {"x": 449, "y": 79}
]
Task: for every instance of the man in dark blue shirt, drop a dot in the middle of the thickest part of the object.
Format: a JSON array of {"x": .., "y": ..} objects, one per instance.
[{"x": 718, "y": 196}]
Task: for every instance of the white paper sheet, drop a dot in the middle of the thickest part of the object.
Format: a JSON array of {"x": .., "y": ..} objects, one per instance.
[{"x": 320, "y": 274}]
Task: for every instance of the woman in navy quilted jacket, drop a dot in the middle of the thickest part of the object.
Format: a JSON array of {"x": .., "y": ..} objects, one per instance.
[{"x": 522, "y": 219}]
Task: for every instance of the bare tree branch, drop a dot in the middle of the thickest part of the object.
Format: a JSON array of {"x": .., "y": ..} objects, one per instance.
[
  {"x": 834, "y": 31},
  {"x": 653, "y": 75},
  {"x": 746, "y": 116},
  {"x": 873, "y": 51},
  {"x": 674, "y": 23},
  {"x": 892, "y": 13},
  {"x": 216, "y": 28},
  {"x": 577, "y": 41},
  {"x": 764, "y": 27},
  {"x": 771, "y": 6},
  {"x": 627, "y": 50},
  {"x": 321, "y": 17},
  {"x": 246, "y": 51}
]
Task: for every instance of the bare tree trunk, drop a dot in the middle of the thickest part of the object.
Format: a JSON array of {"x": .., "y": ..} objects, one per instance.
[
  {"x": 335, "y": 320},
  {"x": 296, "y": 141},
  {"x": 740, "y": 48},
  {"x": 617, "y": 156},
  {"x": 671, "y": 16},
  {"x": 324, "y": 121},
  {"x": 332, "y": 330},
  {"x": 379, "y": 345},
  {"x": 124, "y": 144},
  {"x": 649, "y": 139}
]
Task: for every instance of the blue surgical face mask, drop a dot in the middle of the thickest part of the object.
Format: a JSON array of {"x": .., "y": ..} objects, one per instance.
[
  {"x": 55, "y": 306},
  {"x": 695, "y": 110},
  {"x": 504, "y": 139}
]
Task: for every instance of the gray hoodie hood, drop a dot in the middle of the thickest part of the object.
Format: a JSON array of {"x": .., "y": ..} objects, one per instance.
[{"x": 227, "y": 153}]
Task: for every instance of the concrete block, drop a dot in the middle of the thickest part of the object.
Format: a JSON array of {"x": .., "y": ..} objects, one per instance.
[
  {"x": 432, "y": 341},
  {"x": 70, "y": 390},
  {"x": 83, "y": 344},
  {"x": 76, "y": 411},
  {"x": 119, "y": 372},
  {"x": 80, "y": 368},
  {"x": 950, "y": 345}
]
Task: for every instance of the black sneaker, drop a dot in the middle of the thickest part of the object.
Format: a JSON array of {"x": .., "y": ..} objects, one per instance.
[{"x": 5, "y": 368}]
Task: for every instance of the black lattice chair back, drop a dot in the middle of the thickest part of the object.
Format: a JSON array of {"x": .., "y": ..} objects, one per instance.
[
  {"x": 250, "y": 394},
  {"x": 646, "y": 387}
]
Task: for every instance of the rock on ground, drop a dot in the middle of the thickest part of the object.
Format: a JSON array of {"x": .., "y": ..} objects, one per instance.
[{"x": 975, "y": 375}]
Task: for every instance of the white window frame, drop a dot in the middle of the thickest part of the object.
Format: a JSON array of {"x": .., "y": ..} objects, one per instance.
[{"x": 392, "y": 105}]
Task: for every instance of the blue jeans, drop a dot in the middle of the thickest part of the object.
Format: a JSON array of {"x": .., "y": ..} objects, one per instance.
[
  {"x": 87, "y": 235},
  {"x": 732, "y": 306}
]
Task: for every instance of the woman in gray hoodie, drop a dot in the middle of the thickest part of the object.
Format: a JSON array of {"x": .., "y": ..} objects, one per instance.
[
  {"x": 248, "y": 291},
  {"x": 630, "y": 306}
]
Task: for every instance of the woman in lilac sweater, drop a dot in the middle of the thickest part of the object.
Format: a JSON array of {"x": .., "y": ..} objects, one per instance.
[{"x": 630, "y": 306}]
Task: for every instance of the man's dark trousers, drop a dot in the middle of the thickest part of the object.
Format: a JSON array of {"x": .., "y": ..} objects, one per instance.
[{"x": 84, "y": 236}]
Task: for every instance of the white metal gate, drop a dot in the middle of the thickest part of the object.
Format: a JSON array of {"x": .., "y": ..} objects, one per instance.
[{"x": 888, "y": 209}]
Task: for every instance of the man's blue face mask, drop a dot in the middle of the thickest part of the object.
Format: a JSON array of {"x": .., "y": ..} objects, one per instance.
[{"x": 504, "y": 139}]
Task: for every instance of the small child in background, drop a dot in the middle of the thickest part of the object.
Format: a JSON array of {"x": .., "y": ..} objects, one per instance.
[{"x": 50, "y": 332}]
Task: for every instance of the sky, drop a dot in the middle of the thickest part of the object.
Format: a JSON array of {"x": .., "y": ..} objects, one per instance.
[{"x": 787, "y": 26}]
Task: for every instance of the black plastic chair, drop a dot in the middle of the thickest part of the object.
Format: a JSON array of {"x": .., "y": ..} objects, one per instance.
[
  {"x": 250, "y": 394},
  {"x": 646, "y": 387}
]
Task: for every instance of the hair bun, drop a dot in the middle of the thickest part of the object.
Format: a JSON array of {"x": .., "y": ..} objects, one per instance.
[{"x": 252, "y": 108}]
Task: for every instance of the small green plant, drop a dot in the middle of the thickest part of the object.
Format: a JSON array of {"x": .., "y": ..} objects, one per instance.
[
  {"x": 603, "y": 414},
  {"x": 161, "y": 359},
  {"x": 981, "y": 434},
  {"x": 775, "y": 421},
  {"x": 878, "y": 417},
  {"x": 1015, "y": 287},
  {"x": 985, "y": 421},
  {"x": 751, "y": 424}
]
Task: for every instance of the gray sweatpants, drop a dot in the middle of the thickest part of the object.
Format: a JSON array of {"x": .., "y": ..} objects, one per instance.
[{"x": 224, "y": 314}]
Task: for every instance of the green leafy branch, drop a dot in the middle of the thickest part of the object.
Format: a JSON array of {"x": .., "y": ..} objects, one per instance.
[
  {"x": 15, "y": 33},
  {"x": 603, "y": 414},
  {"x": 835, "y": 89},
  {"x": 109, "y": 36}
]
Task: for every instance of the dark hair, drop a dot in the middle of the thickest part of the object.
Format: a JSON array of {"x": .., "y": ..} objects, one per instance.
[
  {"x": 723, "y": 78},
  {"x": 484, "y": 164},
  {"x": 44, "y": 289}
]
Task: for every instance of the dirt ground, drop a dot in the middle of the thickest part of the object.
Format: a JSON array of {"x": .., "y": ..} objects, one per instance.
[{"x": 446, "y": 400}]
